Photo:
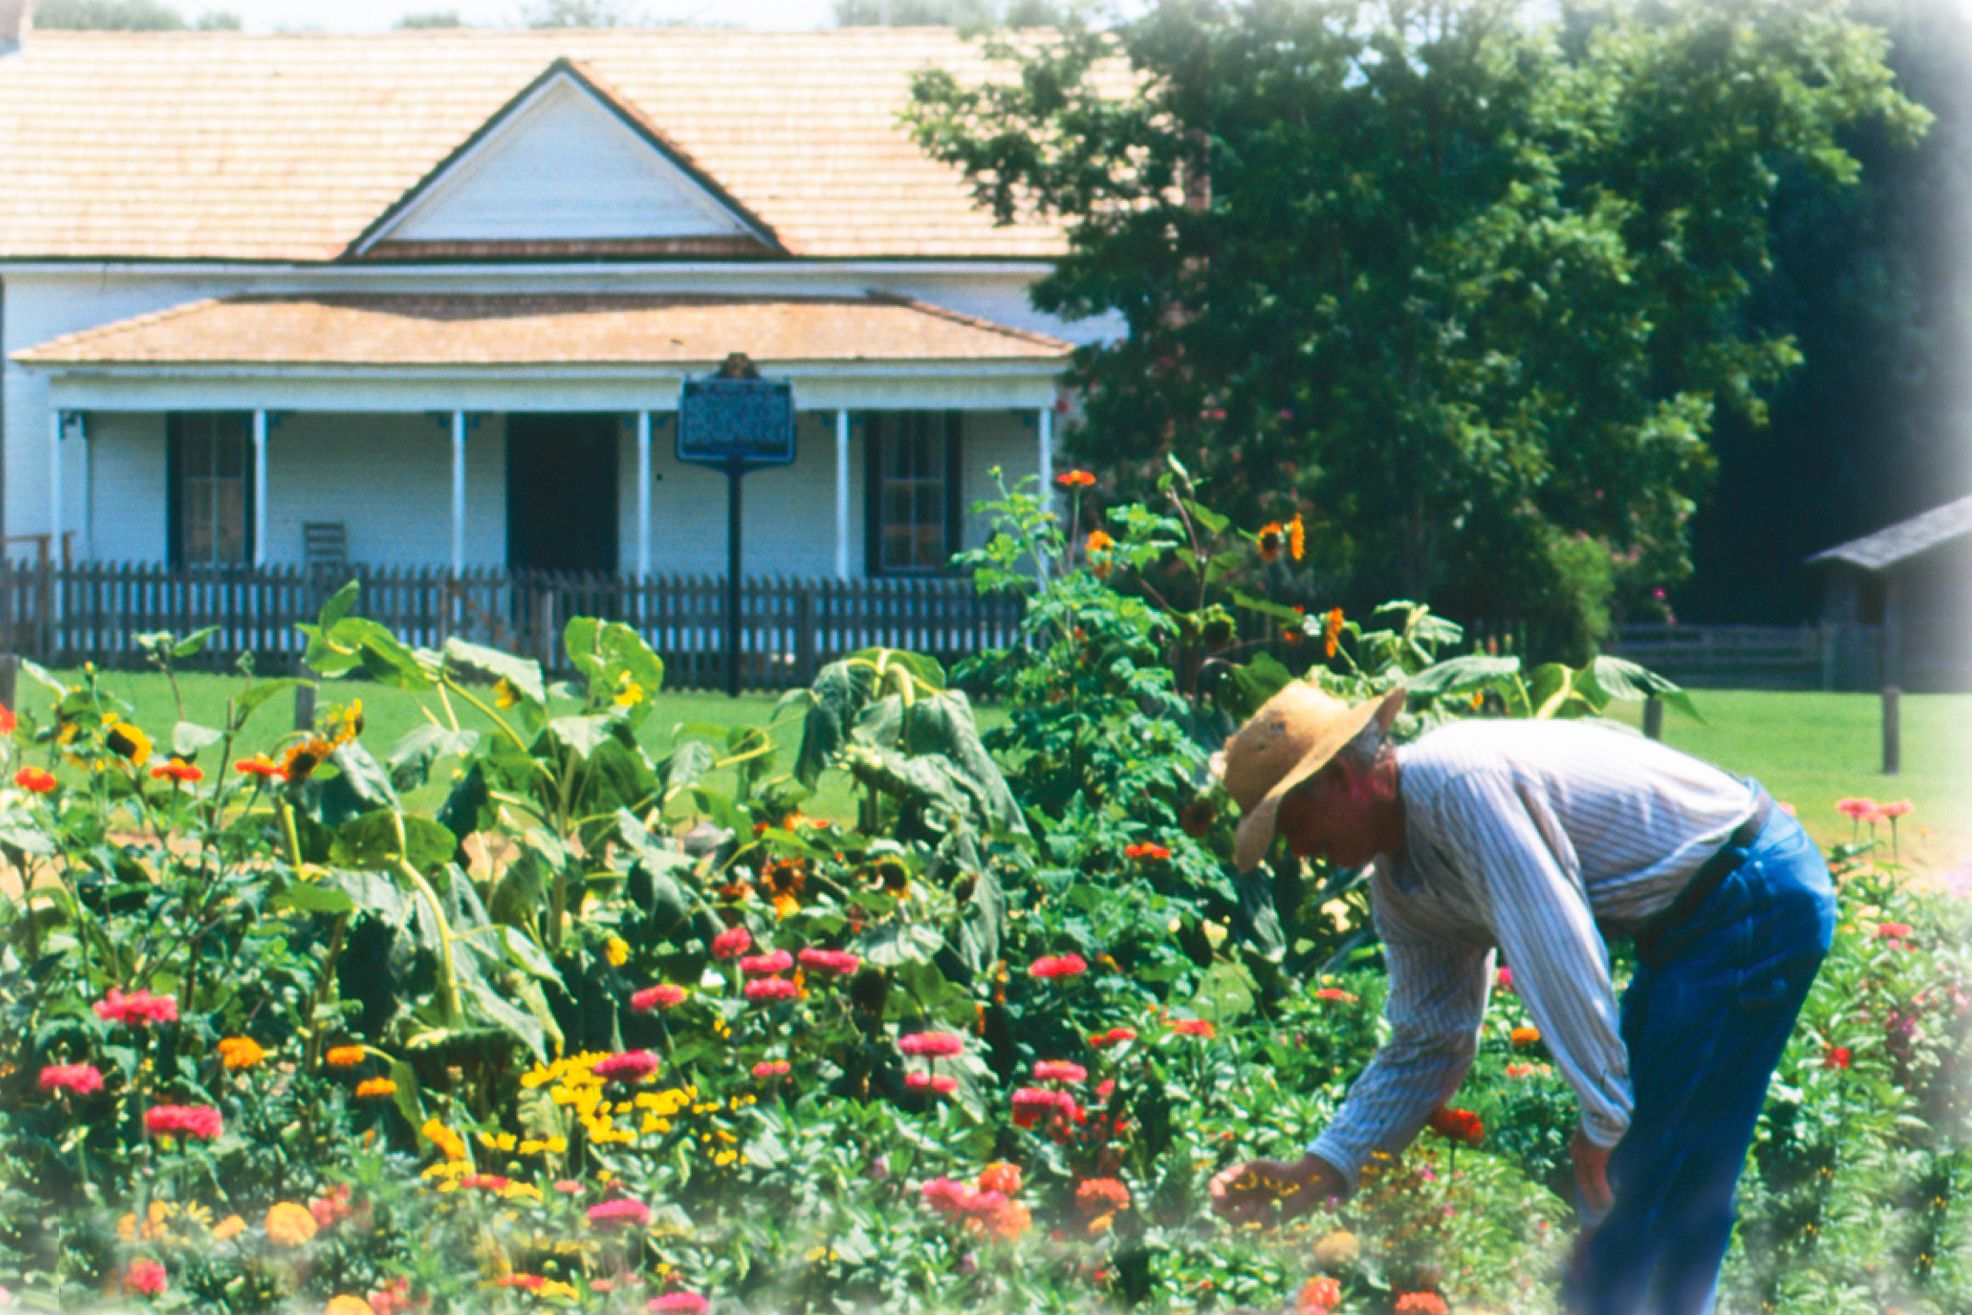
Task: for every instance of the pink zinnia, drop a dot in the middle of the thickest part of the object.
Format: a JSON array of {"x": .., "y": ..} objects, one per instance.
[
  {"x": 1059, "y": 1070},
  {"x": 1031, "y": 1105},
  {"x": 628, "y": 1066},
  {"x": 1895, "y": 809},
  {"x": 201, "y": 1121},
  {"x": 938, "y": 1045},
  {"x": 1113, "y": 1037},
  {"x": 1337, "y": 993},
  {"x": 1059, "y": 965},
  {"x": 1504, "y": 980},
  {"x": 620, "y": 1211},
  {"x": 830, "y": 961},
  {"x": 1854, "y": 807},
  {"x": 954, "y": 1198},
  {"x": 677, "y": 1303},
  {"x": 140, "y": 1006},
  {"x": 943, "y": 1084},
  {"x": 771, "y": 988},
  {"x": 771, "y": 1068},
  {"x": 761, "y": 965},
  {"x": 1892, "y": 931},
  {"x": 731, "y": 943},
  {"x": 81, "y": 1079},
  {"x": 656, "y": 997},
  {"x": 145, "y": 1276}
]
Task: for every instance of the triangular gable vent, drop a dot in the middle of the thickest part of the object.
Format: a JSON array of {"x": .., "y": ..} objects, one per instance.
[{"x": 564, "y": 164}]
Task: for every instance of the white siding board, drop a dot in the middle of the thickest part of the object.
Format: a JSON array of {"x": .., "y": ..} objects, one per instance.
[
  {"x": 564, "y": 168},
  {"x": 131, "y": 513}
]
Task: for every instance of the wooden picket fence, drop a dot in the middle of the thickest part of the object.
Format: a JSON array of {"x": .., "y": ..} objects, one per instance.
[
  {"x": 1744, "y": 657},
  {"x": 93, "y": 612}
]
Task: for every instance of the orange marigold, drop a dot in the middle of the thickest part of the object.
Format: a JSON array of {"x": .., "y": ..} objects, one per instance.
[
  {"x": 1331, "y": 631},
  {"x": 289, "y": 1224},
  {"x": 1525, "y": 1036},
  {"x": 239, "y": 1052},
  {"x": 375, "y": 1089},
  {"x": 1297, "y": 538},
  {"x": 344, "y": 1056},
  {"x": 1101, "y": 1196},
  {"x": 1000, "y": 1176}
]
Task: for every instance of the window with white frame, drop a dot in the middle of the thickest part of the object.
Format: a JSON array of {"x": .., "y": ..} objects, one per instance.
[
  {"x": 209, "y": 461},
  {"x": 914, "y": 489}
]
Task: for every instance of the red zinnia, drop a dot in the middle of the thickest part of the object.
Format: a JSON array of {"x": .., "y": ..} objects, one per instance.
[
  {"x": 1836, "y": 1057},
  {"x": 178, "y": 770},
  {"x": 771, "y": 988},
  {"x": 201, "y": 1121},
  {"x": 762, "y": 965},
  {"x": 145, "y": 1276},
  {"x": 1458, "y": 1125},
  {"x": 1031, "y": 1105},
  {"x": 661, "y": 996},
  {"x": 7, "y": 721},
  {"x": 941, "y": 1084},
  {"x": 1114, "y": 1036},
  {"x": 1335, "y": 993},
  {"x": 1194, "y": 1027},
  {"x": 80, "y": 1079},
  {"x": 1318, "y": 1296},
  {"x": 731, "y": 943},
  {"x": 1000, "y": 1176},
  {"x": 938, "y": 1045},
  {"x": 626, "y": 1066},
  {"x": 1059, "y": 1070},
  {"x": 832, "y": 961},
  {"x": 38, "y": 780},
  {"x": 1892, "y": 931},
  {"x": 1421, "y": 1303},
  {"x": 771, "y": 1068},
  {"x": 528, "y": 1282},
  {"x": 1146, "y": 852},
  {"x": 1099, "y": 1196},
  {"x": 1059, "y": 965},
  {"x": 620, "y": 1211},
  {"x": 139, "y": 1006},
  {"x": 1075, "y": 479}
]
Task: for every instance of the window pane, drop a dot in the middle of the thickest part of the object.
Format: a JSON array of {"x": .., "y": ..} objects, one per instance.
[
  {"x": 195, "y": 447},
  {"x": 229, "y": 547},
  {"x": 229, "y": 454}
]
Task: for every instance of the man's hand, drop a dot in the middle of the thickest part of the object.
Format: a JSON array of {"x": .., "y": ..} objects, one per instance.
[
  {"x": 1247, "y": 1193},
  {"x": 1591, "y": 1174}
]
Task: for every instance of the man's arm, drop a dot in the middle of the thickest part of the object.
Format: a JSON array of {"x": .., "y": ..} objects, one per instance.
[
  {"x": 1541, "y": 917},
  {"x": 1437, "y": 1000}
]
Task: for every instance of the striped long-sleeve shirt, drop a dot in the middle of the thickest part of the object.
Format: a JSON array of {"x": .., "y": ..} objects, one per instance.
[{"x": 1523, "y": 836}]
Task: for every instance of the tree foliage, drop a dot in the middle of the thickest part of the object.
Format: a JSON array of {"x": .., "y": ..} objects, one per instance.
[
  {"x": 1463, "y": 285},
  {"x": 126, "y": 16},
  {"x": 970, "y": 14}
]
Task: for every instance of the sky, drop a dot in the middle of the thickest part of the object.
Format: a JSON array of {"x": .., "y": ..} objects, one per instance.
[{"x": 380, "y": 15}]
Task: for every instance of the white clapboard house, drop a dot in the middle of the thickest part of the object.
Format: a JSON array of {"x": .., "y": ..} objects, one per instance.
[{"x": 426, "y": 300}]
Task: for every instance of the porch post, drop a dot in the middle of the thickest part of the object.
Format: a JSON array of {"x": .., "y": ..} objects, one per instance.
[
  {"x": 643, "y": 494},
  {"x": 842, "y": 495},
  {"x": 1045, "y": 425},
  {"x": 55, "y": 484},
  {"x": 458, "y": 492},
  {"x": 260, "y": 487}
]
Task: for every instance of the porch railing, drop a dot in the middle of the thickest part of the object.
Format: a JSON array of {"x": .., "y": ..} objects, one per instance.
[{"x": 93, "y": 612}]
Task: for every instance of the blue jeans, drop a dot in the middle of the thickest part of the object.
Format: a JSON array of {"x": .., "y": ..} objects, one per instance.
[{"x": 1705, "y": 1023}]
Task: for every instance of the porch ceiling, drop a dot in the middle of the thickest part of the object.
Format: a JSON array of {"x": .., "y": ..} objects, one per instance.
[{"x": 479, "y": 331}]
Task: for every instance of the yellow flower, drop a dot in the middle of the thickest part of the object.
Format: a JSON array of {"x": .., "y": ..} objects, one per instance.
[
  {"x": 351, "y": 723},
  {"x": 449, "y": 1143},
  {"x": 628, "y": 692},
  {"x": 556, "y": 1288},
  {"x": 238, "y": 1052},
  {"x": 505, "y": 695},
  {"x": 344, "y": 1056},
  {"x": 344, "y": 1304},
  {"x": 126, "y": 740},
  {"x": 617, "y": 951},
  {"x": 1272, "y": 538},
  {"x": 1097, "y": 550},
  {"x": 375, "y": 1089},
  {"x": 228, "y": 1228},
  {"x": 303, "y": 758},
  {"x": 289, "y": 1224}
]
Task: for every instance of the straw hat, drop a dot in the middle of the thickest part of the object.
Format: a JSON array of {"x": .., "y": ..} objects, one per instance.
[{"x": 1288, "y": 740}]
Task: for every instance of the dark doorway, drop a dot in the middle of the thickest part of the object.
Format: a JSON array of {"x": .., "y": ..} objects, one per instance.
[{"x": 561, "y": 492}]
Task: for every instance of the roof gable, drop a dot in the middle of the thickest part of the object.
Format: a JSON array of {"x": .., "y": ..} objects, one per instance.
[
  {"x": 566, "y": 161},
  {"x": 1905, "y": 539}
]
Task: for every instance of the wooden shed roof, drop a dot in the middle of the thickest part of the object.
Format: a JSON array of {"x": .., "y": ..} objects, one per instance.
[
  {"x": 223, "y": 146},
  {"x": 1906, "y": 539},
  {"x": 473, "y": 330}
]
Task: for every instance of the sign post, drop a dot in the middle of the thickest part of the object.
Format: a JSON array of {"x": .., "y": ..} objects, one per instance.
[{"x": 735, "y": 421}]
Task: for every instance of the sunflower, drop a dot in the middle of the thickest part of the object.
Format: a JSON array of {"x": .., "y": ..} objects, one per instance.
[
  {"x": 350, "y": 724},
  {"x": 1271, "y": 539},
  {"x": 303, "y": 758},
  {"x": 781, "y": 881},
  {"x": 126, "y": 740}
]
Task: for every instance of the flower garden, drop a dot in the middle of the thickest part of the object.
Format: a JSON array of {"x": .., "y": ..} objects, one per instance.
[{"x": 589, "y": 1033}]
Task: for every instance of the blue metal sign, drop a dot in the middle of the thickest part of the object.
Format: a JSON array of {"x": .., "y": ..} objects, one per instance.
[{"x": 746, "y": 422}]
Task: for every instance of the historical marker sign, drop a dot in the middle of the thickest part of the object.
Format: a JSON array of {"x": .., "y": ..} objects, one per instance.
[{"x": 748, "y": 422}]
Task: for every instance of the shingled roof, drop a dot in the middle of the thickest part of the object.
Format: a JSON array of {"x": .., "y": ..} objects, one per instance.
[
  {"x": 1905, "y": 539},
  {"x": 222, "y": 146},
  {"x": 474, "y": 330}
]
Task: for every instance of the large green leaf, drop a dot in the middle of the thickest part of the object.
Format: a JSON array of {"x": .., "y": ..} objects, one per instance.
[
  {"x": 1462, "y": 674},
  {"x": 370, "y": 841},
  {"x": 837, "y": 696},
  {"x": 422, "y": 747},
  {"x": 1259, "y": 919},
  {"x": 254, "y": 696},
  {"x": 944, "y": 726},
  {"x": 524, "y": 674},
  {"x": 1619, "y": 678},
  {"x": 584, "y": 734},
  {"x": 1248, "y": 686}
]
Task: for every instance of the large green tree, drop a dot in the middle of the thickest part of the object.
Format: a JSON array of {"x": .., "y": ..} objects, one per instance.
[
  {"x": 951, "y": 13},
  {"x": 1461, "y": 282},
  {"x": 126, "y": 16}
]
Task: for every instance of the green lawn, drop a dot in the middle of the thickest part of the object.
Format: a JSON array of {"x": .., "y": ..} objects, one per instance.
[
  {"x": 1812, "y": 748},
  {"x": 1809, "y": 748}
]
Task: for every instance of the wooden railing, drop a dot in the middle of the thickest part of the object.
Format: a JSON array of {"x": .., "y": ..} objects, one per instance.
[
  {"x": 93, "y": 612},
  {"x": 1743, "y": 657}
]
